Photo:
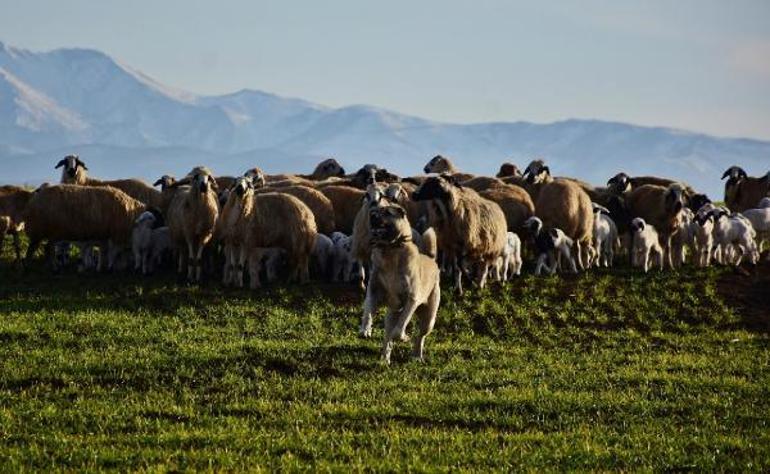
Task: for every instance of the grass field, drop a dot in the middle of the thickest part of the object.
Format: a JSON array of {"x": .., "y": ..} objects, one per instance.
[{"x": 607, "y": 370}]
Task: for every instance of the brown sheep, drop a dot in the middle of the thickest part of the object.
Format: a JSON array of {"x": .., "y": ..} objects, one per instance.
[
  {"x": 231, "y": 225},
  {"x": 622, "y": 183},
  {"x": 280, "y": 220},
  {"x": 80, "y": 213},
  {"x": 515, "y": 202},
  {"x": 319, "y": 204},
  {"x": 508, "y": 170},
  {"x": 482, "y": 183},
  {"x": 346, "y": 202},
  {"x": 13, "y": 201},
  {"x": 474, "y": 229},
  {"x": 75, "y": 172},
  {"x": 661, "y": 207},
  {"x": 563, "y": 204},
  {"x": 192, "y": 218},
  {"x": 442, "y": 165},
  {"x": 742, "y": 191}
]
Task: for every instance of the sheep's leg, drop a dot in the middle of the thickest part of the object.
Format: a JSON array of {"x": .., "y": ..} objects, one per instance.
[
  {"x": 254, "y": 268},
  {"x": 482, "y": 271},
  {"x": 541, "y": 264},
  {"x": 31, "y": 249},
  {"x": 370, "y": 306},
  {"x": 229, "y": 252},
  {"x": 579, "y": 255},
  {"x": 190, "y": 261},
  {"x": 17, "y": 246},
  {"x": 458, "y": 274},
  {"x": 199, "y": 262}
]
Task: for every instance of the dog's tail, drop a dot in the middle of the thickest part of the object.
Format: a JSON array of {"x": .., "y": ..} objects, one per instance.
[{"x": 429, "y": 245}]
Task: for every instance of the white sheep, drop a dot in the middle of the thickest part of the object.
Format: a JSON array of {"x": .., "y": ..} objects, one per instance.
[
  {"x": 141, "y": 239},
  {"x": 646, "y": 244},
  {"x": 734, "y": 239},
  {"x": 760, "y": 220},
  {"x": 322, "y": 256},
  {"x": 703, "y": 238},
  {"x": 344, "y": 265},
  {"x": 605, "y": 236}
]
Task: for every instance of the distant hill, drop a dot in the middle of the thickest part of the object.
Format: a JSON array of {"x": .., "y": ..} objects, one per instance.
[{"x": 124, "y": 123}]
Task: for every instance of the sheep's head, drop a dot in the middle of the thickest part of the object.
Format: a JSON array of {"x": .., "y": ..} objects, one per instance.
[
  {"x": 256, "y": 176},
  {"x": 202, "y": 180},
  {"x": 243, "y": 187},
  {"x": 734, "y": 173},
  {"x": 638, "y": 225},
  {"x": 328, "y": 168},
  {"x": 165, "y": 182},
  {"x": 620, "y": 183},
  {"x": 675, "y": 198},
  {"x": 370, "y": 173},
  {"x": 697, "y": 201},
  {"x": 396, "y": 193},
  {"x": 435, "y": 187},
  {"x": 705, "y": 220},
  {"x": 534, "y": 225},
  {"x": 374, "y": 195},
  {"x": 508, "y": 169},
  {"x": 439, "y": 164},
  {"x": 72, "y": 167},
  {"x": 537, "y": 172},
  {"x": 388, "y": 225},
  {"x": 764, "y": 203}
]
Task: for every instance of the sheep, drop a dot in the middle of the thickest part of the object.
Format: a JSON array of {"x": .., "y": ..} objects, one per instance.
[
  {"x": 319, "y": 204},
  {"x": 192, "y": 218},
  {"x": 733, "y": 232},
  {"x": 80, "y": 213},
  {"x": 269, "y": 259},
  {"x": 515, "y": 203},
  {"x": 742, "y": 191},
  {"x": 661, "y": 207},
  {"x": 509, "y": 263},
  {"x": 482, "y": 183},
  {"x": 142, "y": 239},
  {"x": 442, "y": 165},
  {"x": 74, "y": 171},
  {"x": 280, "y": 220},
  {"x": 322, "y": 256},
  {"x": 474, "y": 229},
  {"x": 646, "y": 244},
  {"x": 562, "y": 204},
  {"x": 621, "y": 183},
  {"x": 257, "y": 177},
  {"x": 508, "y": 170},
  {"x": 684, "y": 235},
  {"x": 346, "y": 202},
  {"x": 760, "y": 220},
  {"x": 344, "y": 266},
  {"x": 230, "y": 228},
  {"x": 605, "y": 236},
  {"x": 703, "y": 238},
  {"x": 327, "y": 168},
  {"x": 13, "y": 201},
  {"x": 552, "y": 244}
]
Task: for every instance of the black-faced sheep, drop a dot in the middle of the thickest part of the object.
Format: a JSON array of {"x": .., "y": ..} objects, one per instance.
[{"x": 743, "y": 191}]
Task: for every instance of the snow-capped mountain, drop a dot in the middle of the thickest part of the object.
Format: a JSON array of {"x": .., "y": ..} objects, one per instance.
[{"x": 124, "y": 123}]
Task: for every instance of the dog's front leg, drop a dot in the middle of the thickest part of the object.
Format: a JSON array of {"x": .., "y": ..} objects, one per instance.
[
  {"x": 402, "y": 321},
  {"x": 370, "y": 306},
  {"x": 387, "y": 343}
]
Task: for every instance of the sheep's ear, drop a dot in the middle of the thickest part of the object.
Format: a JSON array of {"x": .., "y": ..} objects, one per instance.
[
  {"x": 159, "y": 182},
  {"x": 726, "y": 173},
  {"x": 546, "y": 170},
  {"x": 60, "y": 164},
  {"x": 553, "y": 233},
  {"x": 80, "y": 163}
]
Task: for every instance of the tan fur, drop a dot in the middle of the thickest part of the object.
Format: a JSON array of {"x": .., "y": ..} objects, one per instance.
[
  {"x": 515, "y": 203},
  {"x": 440, "y": 164},
  {"x": 346, "y": 202},
  {"x": 289, "y": 180},
  {"x": 565, "y": 205},
  {"x": 319, "y": 204},
  {"x": 80, "y": 213},
  {"x": 405, "y": 281},
  {"x": 482, "y": 183},
  {"x": 746, "y": 193},
  {"x": 231, "y": 228},
  {"x": 13, "y": 202},
  {"x": 429, "y": 245},
  {"x": 282, "y": 220},
  {"x": 135, "y": 188},
  {"x": 649, "y": 203}
]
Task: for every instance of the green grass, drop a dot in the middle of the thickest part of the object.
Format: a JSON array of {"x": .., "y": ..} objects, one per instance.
[{"x": 608, "y": 370}]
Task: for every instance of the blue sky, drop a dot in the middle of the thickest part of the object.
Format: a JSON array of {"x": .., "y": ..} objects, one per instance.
[{"x": 699, "y": 65}]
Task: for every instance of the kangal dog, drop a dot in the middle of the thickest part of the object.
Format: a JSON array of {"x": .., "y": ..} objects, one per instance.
[{"x": 403, "y": 279}]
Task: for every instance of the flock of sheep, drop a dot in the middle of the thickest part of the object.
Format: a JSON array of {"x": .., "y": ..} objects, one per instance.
[{"x": 302, "y": 226}]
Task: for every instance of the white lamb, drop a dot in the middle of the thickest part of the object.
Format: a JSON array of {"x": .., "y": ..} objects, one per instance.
[
  {"x": 605, "y": 236},
  {"x": 734, "y": 239},
  {"x": 703, "y": 238},
  {"x": 760, "y": 220},
  {"x": 344, "y": 266},
  {"x": 645, "y": 245}
]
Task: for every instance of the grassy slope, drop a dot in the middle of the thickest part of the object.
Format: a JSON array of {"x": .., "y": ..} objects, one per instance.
[{"x": 606, "y": 370}]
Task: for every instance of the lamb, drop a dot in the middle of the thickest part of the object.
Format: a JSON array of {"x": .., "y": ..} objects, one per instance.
[
  {"x": 80, "y": 213},
  {"x": 605, "y": 236},
  {"x": 474, "y": 229},
  {"x": 646, "y": 244},
  {"x": 319, "y": 204},
  {"x": 142, "y": 239},
  {"x": 509, "y": 263},
  {"x": 703, "y": 238},
  {"x": 684, "y": 235},
  {"x": 192, "y": 218},
  {"x": 322, "y": 256},
  {"x": 346, "y": 202},
  {"x": 742, "y": 191},
  {"x": 13, "y": 202},
  {"x": 75, "y": 172},
  {"x": 551, "y": 245},
  {"x": 269, "y": 259},
  {"x": 760, "y": 220},
  {"x": 734, "y": 231},
  {"x": 280, "y": 220},
  {"x": 661, "y": 207},
  {"x": 562, "y": 204},
  {"x": 344, "y": 265}
]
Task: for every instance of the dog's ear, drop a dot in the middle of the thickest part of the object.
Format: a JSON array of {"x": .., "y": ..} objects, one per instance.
[{"x": 397, "y": 211}]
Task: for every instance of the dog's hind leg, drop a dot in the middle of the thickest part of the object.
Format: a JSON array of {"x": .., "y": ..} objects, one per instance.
[{"x": 426, "y": 318}]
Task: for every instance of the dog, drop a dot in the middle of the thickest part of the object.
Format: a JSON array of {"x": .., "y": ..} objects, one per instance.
[{"x": 402, "y": 278}]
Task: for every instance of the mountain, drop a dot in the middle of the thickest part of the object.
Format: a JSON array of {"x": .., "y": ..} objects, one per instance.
[{"x": 124, "y": 123}]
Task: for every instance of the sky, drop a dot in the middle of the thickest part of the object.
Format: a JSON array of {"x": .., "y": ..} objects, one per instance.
[{"x": 701, "y": 65}]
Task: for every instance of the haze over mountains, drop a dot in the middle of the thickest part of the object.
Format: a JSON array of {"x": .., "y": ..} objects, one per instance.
[{"x": 124, "y": 123}]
